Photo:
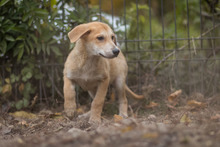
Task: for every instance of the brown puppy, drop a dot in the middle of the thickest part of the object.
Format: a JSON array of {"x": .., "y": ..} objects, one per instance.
[{"x": 94, "y": 64}]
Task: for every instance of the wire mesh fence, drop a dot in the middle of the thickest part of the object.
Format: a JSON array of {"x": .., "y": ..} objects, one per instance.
[
  {"x": 165, "y": 44},
  {"x": 184, "y": 60}
]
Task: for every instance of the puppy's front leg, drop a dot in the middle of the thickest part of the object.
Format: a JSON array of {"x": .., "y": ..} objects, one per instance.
[
  {"x": 98, "y": 101},
  {"x": 69, "y": 97}
]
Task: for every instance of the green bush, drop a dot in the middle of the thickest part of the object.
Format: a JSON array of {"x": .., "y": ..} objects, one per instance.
[{"x": 32, "y": 41}]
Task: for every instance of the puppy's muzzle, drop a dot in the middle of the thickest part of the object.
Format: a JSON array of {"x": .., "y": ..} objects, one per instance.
[{"x": 116, "y": 52}]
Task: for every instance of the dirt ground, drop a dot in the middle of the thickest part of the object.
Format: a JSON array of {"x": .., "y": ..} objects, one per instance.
[{"x": 176, "y": 121}]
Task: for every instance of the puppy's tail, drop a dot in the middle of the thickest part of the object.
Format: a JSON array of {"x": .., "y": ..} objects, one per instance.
[{"x": 130, "y": 93}]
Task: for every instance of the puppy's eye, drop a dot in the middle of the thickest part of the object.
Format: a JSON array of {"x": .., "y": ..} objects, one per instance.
[
  {"x": 113, "y": 37},
  {"x": 100, "y": 38}
]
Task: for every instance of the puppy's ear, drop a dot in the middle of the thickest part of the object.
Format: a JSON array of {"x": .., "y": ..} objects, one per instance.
[{"x": 78, "y": 32}]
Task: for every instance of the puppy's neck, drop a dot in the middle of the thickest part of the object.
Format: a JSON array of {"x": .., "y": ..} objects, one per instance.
[
  {"x": 81, "y": 53},
  {"x": 82, "y": 57}
]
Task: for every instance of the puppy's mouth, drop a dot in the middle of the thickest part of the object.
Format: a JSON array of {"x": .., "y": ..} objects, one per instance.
[{"x": 109, "y": 57}]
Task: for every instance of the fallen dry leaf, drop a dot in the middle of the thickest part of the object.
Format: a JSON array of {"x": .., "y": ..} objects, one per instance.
[
  {"x": 196, "y": 104},
  {"x": 34, "y": 101},
  {"x": 23, "y": 114},
  {"x": 112, "y": 97},
  {"x": 58, "y": 116},
  {"x": 185, "y": 119},
  {"x": 57, "y": 113},
  {"x": 20, "y": 141},
  {"x": 150, "y": 135},
  {"x": 49, "y": 114},
  {"x": 6, "y": 89},
  {"x": 21, "y": 87},
  {"x": 23, "y": 123},
  {"x": 216, "y": 117},
  {"x": 117, "y": 118},
  {"x": 152, "y": 105},
  {"x": 172, "y": 98},
  {"x": 81, "y": 110},
  {"x": 127, "y": 129},
  {"x": 171, "y": 107}
]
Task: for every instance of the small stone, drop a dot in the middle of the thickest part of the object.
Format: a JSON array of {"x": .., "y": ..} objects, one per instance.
[
  {"x": 99, "y": 141},
  {"x": 152, "y": 117},
  {"x": 75, "y": 132}
]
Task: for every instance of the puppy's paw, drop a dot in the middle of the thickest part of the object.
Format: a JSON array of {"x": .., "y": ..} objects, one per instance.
[
  {"x": 123, "y": 115},
  {"x": 95, "y": 121},
  {"x": 84, "y": 116},
  {"x": 70, "y": 113}
]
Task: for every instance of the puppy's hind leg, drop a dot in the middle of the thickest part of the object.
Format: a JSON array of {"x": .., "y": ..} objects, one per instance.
[
  {"x": 69, "y": 97},
  {"x": 123, "y": 102}
]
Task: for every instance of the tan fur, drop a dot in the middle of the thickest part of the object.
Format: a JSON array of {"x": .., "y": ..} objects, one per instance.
[{"x": 88, "y": 66}]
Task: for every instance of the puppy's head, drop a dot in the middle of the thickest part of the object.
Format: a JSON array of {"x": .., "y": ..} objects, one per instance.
[{"x": 98, "y": 38}]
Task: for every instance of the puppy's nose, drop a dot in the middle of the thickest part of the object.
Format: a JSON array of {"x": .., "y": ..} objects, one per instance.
[{"x": 116, "y": 51}]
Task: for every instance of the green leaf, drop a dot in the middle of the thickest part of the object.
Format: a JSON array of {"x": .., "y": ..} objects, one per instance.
[
  {"x": 38, "y": 76},
  {"x": 19, "y": 50},
  {"x": 17, "y": 78},
  {"x": 38, "y": 48},
  {"x": 18, "y": 29},
  {"x": 3, "y": 2},
  {"x": 12, "y": 77},
  {"x": 25, "y": 70},
  {"x": 9, "y": 38},
  {"x": 1, "y": 18},
  {"x": 40, "y": 12},
  {"x": 48, "y": 49},
  {"x": 26, "y": 102},
  {"x": 34, "y": 38},
  {"x": 11, "y": 45},
  {"x": 3, "y": 46},
  {"x": 53, "y": 4},
  {"x": 30, "y": 21},
  {"x": 20, "y": 38},
  {"x": 28, "y": 86},
  {"x": 20, "y": 54},
  {"x": 19, "y": 104},
  {"x": 56, "y": 50},
  {"x": 30, "y": 44},
  {"x": 8, "y": 28},
  {"x": 28, "y": 75},
  {"x": 27, "y": 48},
  {"x": 7, "y": 22},
  {"x": 52, "y": 41},
  {"x": 25, "y": 17},
  {"x": 43, "y": 47},
  {"x": 24, "y": 79}
]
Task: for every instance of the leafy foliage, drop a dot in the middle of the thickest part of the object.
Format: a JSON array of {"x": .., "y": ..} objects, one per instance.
[{"x": 33, "y": 33}]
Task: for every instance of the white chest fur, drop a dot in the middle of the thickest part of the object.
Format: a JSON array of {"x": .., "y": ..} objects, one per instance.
[{"x": 89, "y": 75}]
